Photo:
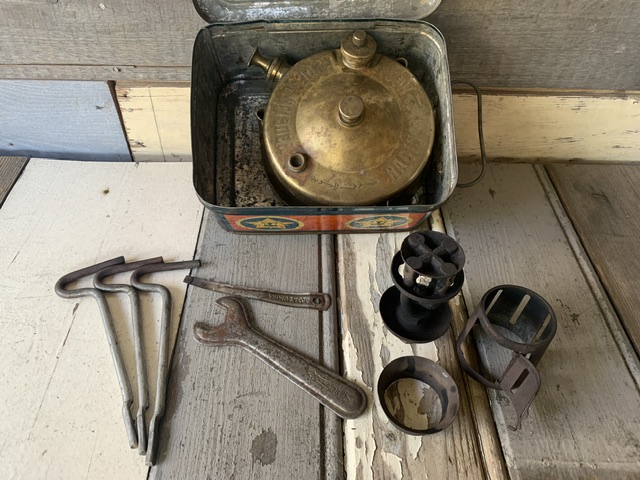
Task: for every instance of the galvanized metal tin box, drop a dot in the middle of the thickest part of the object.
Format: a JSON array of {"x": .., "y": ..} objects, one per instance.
[{"x": 227, "y": 97}]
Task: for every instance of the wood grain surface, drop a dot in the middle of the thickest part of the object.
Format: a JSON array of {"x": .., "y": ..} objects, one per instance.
[
  {"x": 472, "y": 392},
  {"x": 374, "y": 447},
  {"x": 585, "y": 421},
  {"x": 551, "y": 127},
  {"x": 549, "y": 44},
  {"x": 58, "y": 390},
  {"x": 229, "y": 415},
  {"x": 66, "y": 120},
  {"x": 157, "y": 121},
  {"x": 10, "y": 170},
  {"x": 116, "y": 38},
  {"x": 602, "y": 204},
  {"x": 542, "y": 127}
]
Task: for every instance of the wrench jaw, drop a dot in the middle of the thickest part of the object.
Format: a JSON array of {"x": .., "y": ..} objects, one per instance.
[
  {"x": 208, "y": 335},
  {"x": 223, "y": 334},
  {"x": 232, "y": 331},
  {"x": 236, "y": 310}
]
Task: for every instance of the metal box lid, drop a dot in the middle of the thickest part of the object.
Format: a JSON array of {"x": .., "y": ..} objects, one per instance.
[{"x": 214, "y": 11}]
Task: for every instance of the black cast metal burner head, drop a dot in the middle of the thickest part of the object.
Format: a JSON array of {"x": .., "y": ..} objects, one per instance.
[{"x": 427, "y": 273}]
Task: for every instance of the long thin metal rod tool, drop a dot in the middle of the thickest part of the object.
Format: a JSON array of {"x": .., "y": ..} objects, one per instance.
[
  {"x": 163, "y": 349},
  {"x": 138, "y": 341},
  {"x": 116, "y": 355},
  {"x": 316, "y": 301}
]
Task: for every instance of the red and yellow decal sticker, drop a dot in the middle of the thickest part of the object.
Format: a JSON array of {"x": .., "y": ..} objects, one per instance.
[
  {"x": 268, "y": 223},
  {"x": 378, "y": 222},
  {"x": 323, "y": 223}
]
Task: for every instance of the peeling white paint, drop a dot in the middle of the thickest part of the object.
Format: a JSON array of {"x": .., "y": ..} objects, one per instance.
[
  {"x": 369, "y": 260},
  {"x": 394, "y": 463}
]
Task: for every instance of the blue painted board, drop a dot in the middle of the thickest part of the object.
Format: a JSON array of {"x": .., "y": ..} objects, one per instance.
[{"x": 60, "y": 119}]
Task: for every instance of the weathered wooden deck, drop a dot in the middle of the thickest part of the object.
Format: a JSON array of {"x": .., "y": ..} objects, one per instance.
[{"x": 570, "y": 233}]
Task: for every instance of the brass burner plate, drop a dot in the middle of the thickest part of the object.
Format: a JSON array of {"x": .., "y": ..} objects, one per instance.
[{"x": 314, "y": 158}]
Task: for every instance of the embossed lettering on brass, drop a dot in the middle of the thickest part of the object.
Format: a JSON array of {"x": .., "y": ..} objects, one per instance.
[{"x": 345, "y": 127}]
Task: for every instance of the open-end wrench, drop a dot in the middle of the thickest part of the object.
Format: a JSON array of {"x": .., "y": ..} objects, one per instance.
[
  {"x": 138, "y": 343},
  {"x": 116, "y": 355},
  {"x": 316, "y": 301},
  {"x": 163, "y": 348},
  {"x": 341, "y": 396}
]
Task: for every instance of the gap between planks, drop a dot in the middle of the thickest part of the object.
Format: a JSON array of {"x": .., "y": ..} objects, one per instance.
[
  {"x": 156, "y": 122},
  {"x": 623, "y": 339},
  {"x": 228, "y": 414},
  {"x": 480, "y": 411},
  {"x": 374, "y": 448},
  {"x": 584, "y": 421},
  {"x": 602, "y": 205},
  {"x": 10, "y": 170},
  {"x": 58, "y": 389}
]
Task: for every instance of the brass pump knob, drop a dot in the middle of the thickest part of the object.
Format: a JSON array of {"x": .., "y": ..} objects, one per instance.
[
  {"x": 351, "y": 110},
  {"x": 358, "y": 49}
]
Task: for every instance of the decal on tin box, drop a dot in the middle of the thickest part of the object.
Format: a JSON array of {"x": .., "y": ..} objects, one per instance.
[
  {"x": 378, "y": 221},
  {"x": 270, "y": 223}
]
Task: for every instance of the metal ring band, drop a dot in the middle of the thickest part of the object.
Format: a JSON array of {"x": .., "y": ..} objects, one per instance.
[{"x": 430, "y": 373}]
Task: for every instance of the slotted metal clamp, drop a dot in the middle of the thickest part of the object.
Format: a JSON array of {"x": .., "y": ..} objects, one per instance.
[{"x": 506, "y": 312}]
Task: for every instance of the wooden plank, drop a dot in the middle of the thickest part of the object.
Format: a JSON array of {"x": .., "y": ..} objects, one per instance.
[
  {"x": 157, "y": 122},
  {"x": 551, "y": 128},
  {"x": 545, "y": 126},
  {"x": 585, "y": 421},
  {"x": 68, "y": 120},
  {"x": 574, "y": 44},
  {"x": 549, "y": 44},
  {"x": 127, "y": 73},
  {"x": 488, "y": 441},
  {"x": 10, "y": 170},
  {"x": 113, "y": 33},
  {"x": 602, "y": 204},
  {"x": 374, "y": 448},
  {"x": 491, "y": 453},
  {"x": 228, "y": 414},
  {"x": 58, "y": 389}
]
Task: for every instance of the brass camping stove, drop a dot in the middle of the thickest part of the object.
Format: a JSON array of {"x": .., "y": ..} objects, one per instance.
[{"x": 347, "y": 126}]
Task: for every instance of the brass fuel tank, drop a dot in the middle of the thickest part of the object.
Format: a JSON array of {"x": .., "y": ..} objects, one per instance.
[{"x": 348, "y": 126}]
